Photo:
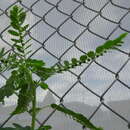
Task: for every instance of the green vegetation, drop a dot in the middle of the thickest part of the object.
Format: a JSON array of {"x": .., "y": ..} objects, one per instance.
[{"x": 21, "y": 82}]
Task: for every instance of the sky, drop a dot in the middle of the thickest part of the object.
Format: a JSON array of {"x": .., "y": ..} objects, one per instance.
[{"x": 95, "y": 77}]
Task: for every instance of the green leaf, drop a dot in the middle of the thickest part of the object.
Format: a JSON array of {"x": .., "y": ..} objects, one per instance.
[
  {"x": 28, "y": 41},
  {"x": 15, "y": 8},
  {"x": 27, "y": 46},
  {"x": 22, "y": 17},
  {"x": 35, "y": 63},
  {"x": 43, "y": 85},
  {"x": 19, "y": 127},
  {"x": 76, "y": 116},
  {"x": 13, "y": 18},
  {"x": 24, "y": 98},
  {"x": 25, "y": 95},
  {"x": 8, "y": 89},
  {"x": 13, "y": 13},
  {"x": 59, "y": 68},
  {"x": 83, "y": 58},
  {"x": 2, "y": 51},
  {"x": 47, "y": 127},
  {"x": 99, "y": 49},
  {"x": 66, "y": 63},
  {"x": 19, "y": 48},
  {"x": 28, "y": 52},
  {"x": 44, "y": 73},
  {"x": 120, "y": 38},
  {"x": 20, "y": 10},
  {"x": 16, "y": 40},
  {"x": 91, "y": 54},
  {"x": 25, "y": 27},
  {"x": 74, "y": 61},
  {"x": 5, "y": 91},
  {"x": 108, "y": 44},
  {"x": 14, "y": 25},
  {"x": 14, "y": 33}
]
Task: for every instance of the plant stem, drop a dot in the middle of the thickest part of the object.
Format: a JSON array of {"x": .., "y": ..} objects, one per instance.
[{"x": 34, "y": 108}]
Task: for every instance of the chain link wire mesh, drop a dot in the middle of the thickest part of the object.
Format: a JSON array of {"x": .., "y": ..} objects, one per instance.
[{"x": 61, "y": 29}]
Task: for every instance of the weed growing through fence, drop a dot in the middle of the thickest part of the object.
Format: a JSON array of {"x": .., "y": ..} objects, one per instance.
[{"x": 21, "y": 81}]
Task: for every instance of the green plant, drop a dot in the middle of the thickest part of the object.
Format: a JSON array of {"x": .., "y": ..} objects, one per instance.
[
  {"x": 21, "y": 81},
  {"x": 78, "y": 117}
]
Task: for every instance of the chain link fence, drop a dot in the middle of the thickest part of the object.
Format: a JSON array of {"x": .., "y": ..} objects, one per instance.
[{"x": 62, "y": 29}]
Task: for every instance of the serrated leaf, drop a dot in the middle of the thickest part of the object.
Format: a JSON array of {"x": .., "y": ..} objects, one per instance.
[
  {"x": 76, "y": 116},
  {"x": 112, "y": 44},
  {"x": 14, "y": 33},
  {"x": 120, "y": 38}
]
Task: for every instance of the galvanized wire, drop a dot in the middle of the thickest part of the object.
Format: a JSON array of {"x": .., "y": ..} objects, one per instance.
[{"x": 86, "y": 27}]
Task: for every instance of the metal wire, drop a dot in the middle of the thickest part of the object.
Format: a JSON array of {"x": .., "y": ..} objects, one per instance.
[{"x": 86, "y": 27}]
